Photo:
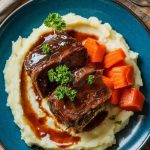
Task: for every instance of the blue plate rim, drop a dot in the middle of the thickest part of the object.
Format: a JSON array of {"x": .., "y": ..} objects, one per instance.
[{"x": 147, "y": 138}]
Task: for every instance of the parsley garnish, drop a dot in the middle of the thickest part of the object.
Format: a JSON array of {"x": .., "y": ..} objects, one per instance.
[
  {"x": 118, "y": 122},
  {"x": 64, "y": 76},
  {"x": 90, "y": 79},
  {"x": 55, "y": 21},
  {"x": 62, "y": 91},
  {"x": 71, "y": 94},
  {"x": 61, "y": 75},
  {"x": 45, "y": 48},
  {"x": 51, "y": 75},
  {"x": 113, "y": 117}
]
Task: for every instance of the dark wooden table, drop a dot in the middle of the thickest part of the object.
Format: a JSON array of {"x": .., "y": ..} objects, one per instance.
[{"x": 142, "y": 12}]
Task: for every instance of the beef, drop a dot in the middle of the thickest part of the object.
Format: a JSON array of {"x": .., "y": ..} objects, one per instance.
[
  {"x": 64, "y": 50},
  {"x": 81, "y": 75},
  {"x": 89, "y": 101}
]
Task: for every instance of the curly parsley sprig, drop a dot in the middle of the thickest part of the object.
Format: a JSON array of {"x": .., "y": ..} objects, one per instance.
[
  {"x": 55, "y": 21},
  {"x": 60, "y": 92},
  {"x": 63, "y": 91},
  {"x": 61, "y": 75}
]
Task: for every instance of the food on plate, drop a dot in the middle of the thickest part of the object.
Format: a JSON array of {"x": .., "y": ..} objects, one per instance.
[
  {"x": 88, "y": 102},
  {"x": 132, "y": 99},
  {"x": 95, "y": 50},
  {"x": 114, "y": 57},
  {"x": 64, "y": 50},
  {"x": 75, "y": 84}
]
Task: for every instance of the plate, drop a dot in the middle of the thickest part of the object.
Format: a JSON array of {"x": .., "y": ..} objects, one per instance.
[{"x": 32, "y": 14}]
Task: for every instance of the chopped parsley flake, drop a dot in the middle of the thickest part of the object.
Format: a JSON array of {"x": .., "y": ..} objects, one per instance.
[
  {"x": 90, "y": 79},
  {"x": 63, "y": 91},
  {"x": 71, "y": 94},
  {"x": 45, "y": 48},
  {"x": 51, "y": 75},
  {"x": 60, "y": 92}
]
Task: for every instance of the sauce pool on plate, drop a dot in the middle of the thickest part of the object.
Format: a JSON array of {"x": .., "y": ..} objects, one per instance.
[{"x": 62, "y": 138}]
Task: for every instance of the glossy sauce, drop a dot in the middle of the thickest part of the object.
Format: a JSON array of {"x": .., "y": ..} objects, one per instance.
[
  {"x": 57, "y": 43},
  {"x": 64, "y": 49},
  {"x": 39, "y": 100},
  {"x": 81, "y": 36},
  {"x": 63, "y": 139}
]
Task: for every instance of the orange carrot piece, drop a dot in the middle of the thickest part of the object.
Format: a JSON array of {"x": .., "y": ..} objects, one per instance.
[
  {"x": 115, "y": 98},
  {"x": 122, "y": 76},
  {"x": 130, "y": 75},
  {"x": 102, "y": 51},
  {"x": 121, "y": 63},
  {"x": 132, "y": 99},
  {"x": 107, "y": 81},
  {"x": 108, "y": 73},
  {"x": 114, "y": 57},
  {"x": 95, "y": 50}
]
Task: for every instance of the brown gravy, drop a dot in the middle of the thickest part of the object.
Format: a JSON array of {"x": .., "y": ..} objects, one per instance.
[
  {"x": 78, "y": 35},
  {"x": 62, "y": 138}
]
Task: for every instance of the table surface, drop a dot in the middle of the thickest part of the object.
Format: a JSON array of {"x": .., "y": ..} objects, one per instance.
[{"x": 142, "y": 12}]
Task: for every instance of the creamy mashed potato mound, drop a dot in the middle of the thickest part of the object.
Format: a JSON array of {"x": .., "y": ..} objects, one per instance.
[{"x": 100, "y": 137}]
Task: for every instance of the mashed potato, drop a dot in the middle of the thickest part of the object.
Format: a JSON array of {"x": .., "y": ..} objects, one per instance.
[{"x": 100, "y": 137}]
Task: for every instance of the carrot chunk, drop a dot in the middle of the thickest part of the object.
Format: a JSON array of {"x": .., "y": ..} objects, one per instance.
[
  {"x": 115, "y": 98},
  {"x": 121, "y": 63},
  {"x": 122, "y": 76},
  {"x": 132, "y": 99},
  {"x": 130, "y": 75},
  {"x": 108, "y": 73},
  {"x": 114, "y": 57},
  {"x": 107, "y": 81},
  {"x": 95, "y": 50}
]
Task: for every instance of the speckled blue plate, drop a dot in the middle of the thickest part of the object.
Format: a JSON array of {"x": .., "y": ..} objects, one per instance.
[{"x": 31, "y": 16}]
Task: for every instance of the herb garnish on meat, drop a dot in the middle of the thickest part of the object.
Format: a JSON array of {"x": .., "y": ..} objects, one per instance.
[
  {"x": 90, "y": 79},
  {"x": 63, "y": 76},
  {"x": 60, "y": 75},
  {"x": 71, "y": 94},
  {"x": 45, "y": 48},
  {"x": 55, "y": 21},
  {"x": 62, "y": 91},
  {"x": 52, "y": 75}
]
